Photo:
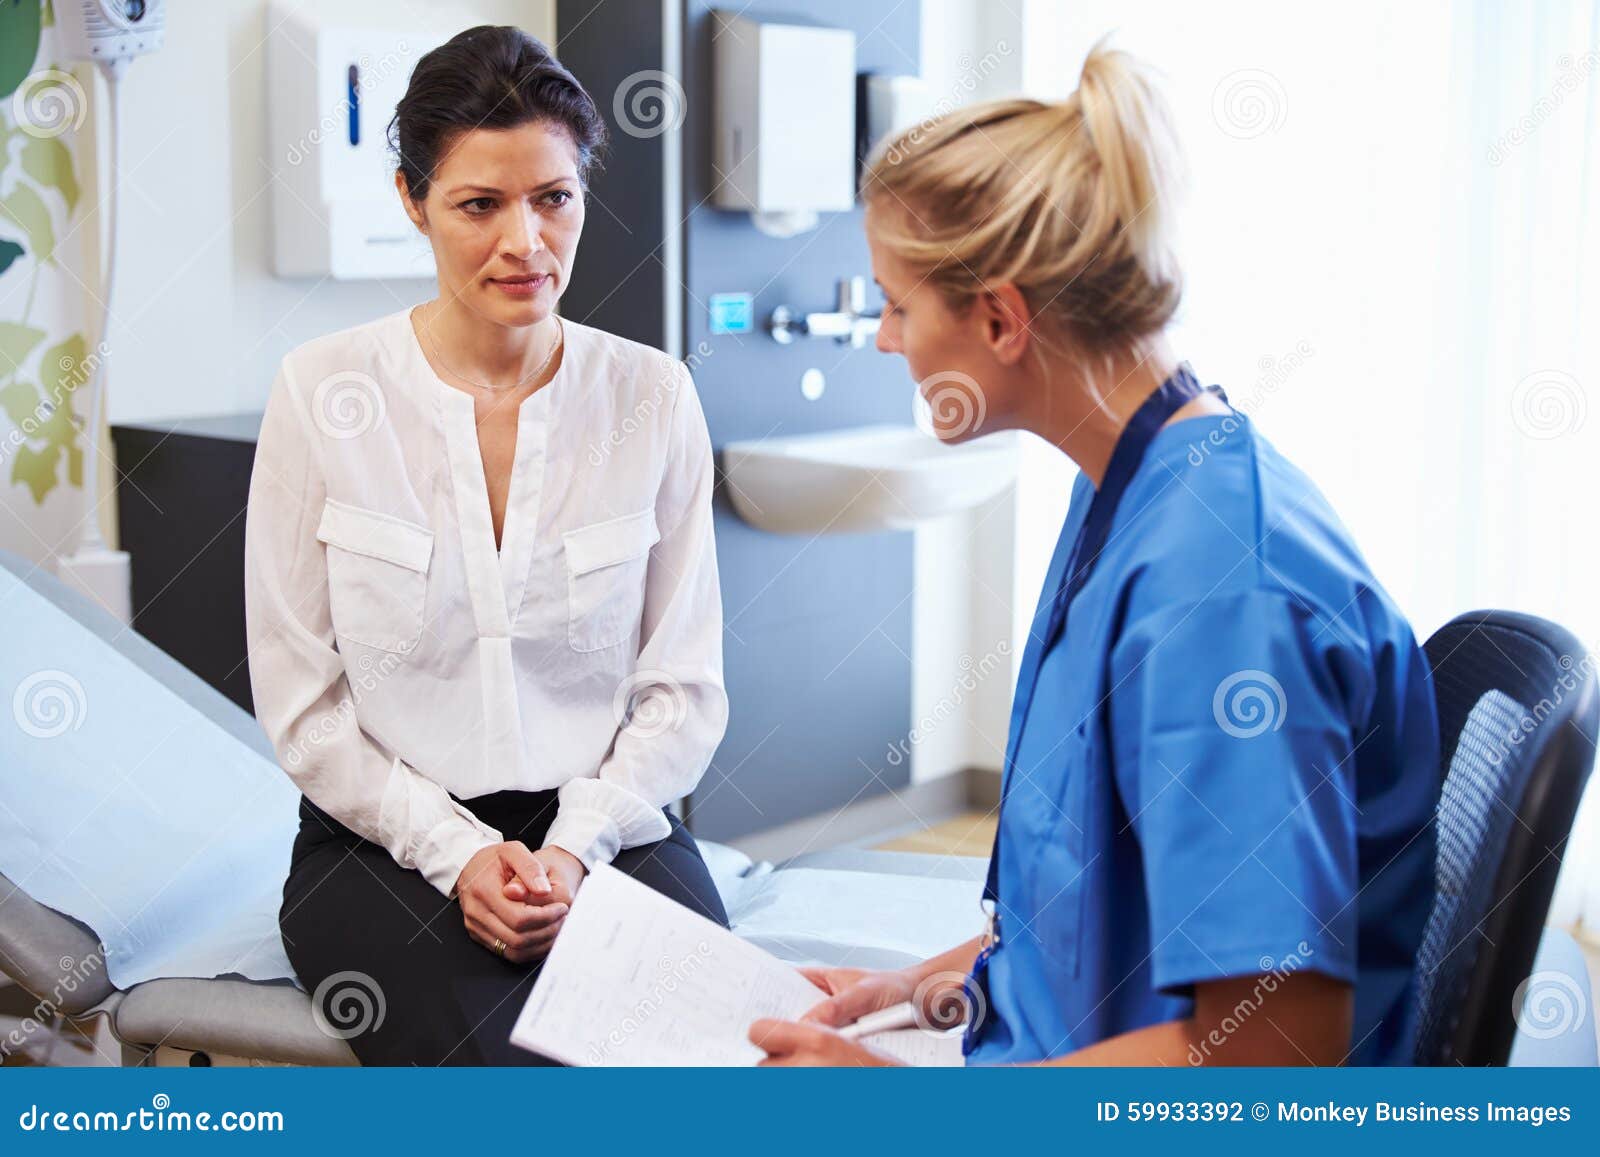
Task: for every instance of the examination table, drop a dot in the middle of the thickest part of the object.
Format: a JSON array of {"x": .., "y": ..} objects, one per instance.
[{"x": 145, "y": 832}]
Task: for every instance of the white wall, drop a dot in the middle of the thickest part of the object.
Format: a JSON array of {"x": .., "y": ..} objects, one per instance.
[
  {"x": 1316, "y": 167},
  {"x": 965, "y": 658},
  {"x": 200, "y": 321}
]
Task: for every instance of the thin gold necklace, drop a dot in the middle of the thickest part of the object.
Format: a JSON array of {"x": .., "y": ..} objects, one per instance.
[{"x": 555, "y": 347}]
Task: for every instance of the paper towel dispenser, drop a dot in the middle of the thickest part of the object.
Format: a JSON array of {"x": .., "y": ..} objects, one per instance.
[
  {"x": 785, "y": 119},
  {"x": 332, "y": 87}
]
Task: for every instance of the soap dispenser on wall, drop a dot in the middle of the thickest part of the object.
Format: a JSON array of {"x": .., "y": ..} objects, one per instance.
[
  {"x": 332, "y": 87},
  {"x": 785, "y": 121}
]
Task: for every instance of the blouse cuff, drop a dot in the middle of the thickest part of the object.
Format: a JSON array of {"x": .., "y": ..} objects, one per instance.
[
  {"x": 445, "y": 850},
  {"x": 595, "y": 820}
]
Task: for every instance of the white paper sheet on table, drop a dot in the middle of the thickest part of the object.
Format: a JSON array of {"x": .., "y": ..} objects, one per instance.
[
  {"x": 855, "y": 918},
  {"x": 638, "y": 979},
  {"x": 125, "y": 807}
]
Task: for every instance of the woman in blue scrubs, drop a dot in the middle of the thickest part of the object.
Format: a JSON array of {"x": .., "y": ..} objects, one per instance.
[{"x": 1215, "y": 840}]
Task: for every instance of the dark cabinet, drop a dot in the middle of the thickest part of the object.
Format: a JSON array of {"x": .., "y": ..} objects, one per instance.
[{"x": 181, "y": 492}]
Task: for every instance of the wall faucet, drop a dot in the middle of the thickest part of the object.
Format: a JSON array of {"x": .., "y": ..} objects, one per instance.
[{"x": 849, "y": 324}]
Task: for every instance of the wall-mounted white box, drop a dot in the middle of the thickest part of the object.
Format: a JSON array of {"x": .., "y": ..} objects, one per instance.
[
  {"x": 785, "y": 118},
  {"x": 332, "y": 87},
  {"x": 893, "y": 104}
]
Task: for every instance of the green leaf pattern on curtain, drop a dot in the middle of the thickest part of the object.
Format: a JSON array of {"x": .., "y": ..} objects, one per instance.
[{"x": 39, "y": 194}]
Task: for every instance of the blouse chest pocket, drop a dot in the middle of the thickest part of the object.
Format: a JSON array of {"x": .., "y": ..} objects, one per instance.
[
  {"x": 377, "y": 575},
  {"x": 606, "y": 567}
]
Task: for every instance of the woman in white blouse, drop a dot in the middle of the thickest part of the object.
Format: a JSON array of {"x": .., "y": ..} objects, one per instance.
[{"x": 481, "y": 589}]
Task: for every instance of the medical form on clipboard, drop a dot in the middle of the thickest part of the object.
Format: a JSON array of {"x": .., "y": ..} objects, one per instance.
[{"x": 637, "y": 979}]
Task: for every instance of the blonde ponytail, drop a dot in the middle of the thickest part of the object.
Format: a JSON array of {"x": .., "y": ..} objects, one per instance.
[{"x": 1072, "y": 202}]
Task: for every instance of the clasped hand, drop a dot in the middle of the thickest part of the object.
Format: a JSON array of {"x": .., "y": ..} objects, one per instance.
[{"x": 519, "y": 897}]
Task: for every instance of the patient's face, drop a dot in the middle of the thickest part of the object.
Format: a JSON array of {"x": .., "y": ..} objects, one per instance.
[
  {"x": 505, "y": 204},
  {"x": 966, "y": 390}
]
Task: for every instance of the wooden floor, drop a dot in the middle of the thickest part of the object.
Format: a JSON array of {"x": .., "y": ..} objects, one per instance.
[
  {"x": 1591, "y": 953},
  {"x": 28, "y": 1044},
  {"x": 966, "y": 835}
]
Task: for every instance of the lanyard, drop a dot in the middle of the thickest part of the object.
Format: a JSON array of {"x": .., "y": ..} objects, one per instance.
[{"x": 1172, "y": 395}]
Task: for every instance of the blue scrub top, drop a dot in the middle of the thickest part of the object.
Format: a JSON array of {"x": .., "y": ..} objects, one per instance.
[{"x": 1229, "y": 766}]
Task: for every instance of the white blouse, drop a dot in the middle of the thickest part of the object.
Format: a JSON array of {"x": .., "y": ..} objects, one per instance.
[{"x": 395, "y": 653}]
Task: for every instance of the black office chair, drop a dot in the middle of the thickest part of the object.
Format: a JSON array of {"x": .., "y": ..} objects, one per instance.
[{"x": 1518, "y": 712}]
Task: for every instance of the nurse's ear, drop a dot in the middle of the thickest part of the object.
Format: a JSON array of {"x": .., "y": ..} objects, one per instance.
[{"x": 1005, "y": 322}]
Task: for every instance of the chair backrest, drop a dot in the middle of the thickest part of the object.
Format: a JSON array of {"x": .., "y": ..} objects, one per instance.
[{"x": 1518, "y": 712}]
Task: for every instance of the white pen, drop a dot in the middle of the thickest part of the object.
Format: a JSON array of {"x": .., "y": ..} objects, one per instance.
[{"x": 900, "y": 1015}]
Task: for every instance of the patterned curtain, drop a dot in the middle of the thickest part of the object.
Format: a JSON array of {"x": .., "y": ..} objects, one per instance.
[{"x": 44, "y": 288}]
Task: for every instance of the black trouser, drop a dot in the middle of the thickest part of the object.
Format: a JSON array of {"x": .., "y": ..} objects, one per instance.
[{"x": 388, "y": 960}]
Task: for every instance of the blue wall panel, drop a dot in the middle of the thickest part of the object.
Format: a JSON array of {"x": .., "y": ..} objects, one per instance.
[{"x": 818, "y": 636}]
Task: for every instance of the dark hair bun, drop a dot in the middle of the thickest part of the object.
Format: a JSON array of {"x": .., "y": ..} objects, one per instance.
[{"x": 490, "y": 77}]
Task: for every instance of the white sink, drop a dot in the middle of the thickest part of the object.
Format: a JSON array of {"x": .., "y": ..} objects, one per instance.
[{"x": 863, "y": 478}]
